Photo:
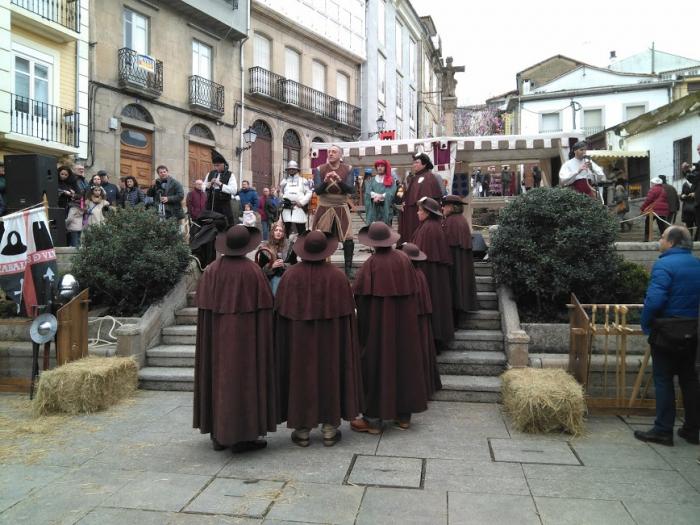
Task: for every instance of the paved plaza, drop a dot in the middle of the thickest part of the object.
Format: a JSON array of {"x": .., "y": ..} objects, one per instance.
[{"x": 142, "y": 463}]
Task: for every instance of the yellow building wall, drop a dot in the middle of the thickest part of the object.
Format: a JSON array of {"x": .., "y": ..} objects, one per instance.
[{"x": 66, "y": 68}]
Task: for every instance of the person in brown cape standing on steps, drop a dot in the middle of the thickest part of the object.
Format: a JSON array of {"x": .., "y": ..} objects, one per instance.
[
  {"x": 422, "y": 183},
  {"x": 234, "y": 379},
  {"x": 316, "y": 344},
  {"x": 431, "y": 239}
]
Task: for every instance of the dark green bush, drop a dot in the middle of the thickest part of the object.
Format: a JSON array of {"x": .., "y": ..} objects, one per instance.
[
  {"x": 131, "y": 260},
  {"x": 629, "y": 283},
  {"x": 551, "y": 242}
]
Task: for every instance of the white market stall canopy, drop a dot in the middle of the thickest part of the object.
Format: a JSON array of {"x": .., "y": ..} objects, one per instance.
[{"x": 615, "y": 154}]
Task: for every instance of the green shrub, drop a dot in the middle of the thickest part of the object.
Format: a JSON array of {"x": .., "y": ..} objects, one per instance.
[
  {"x": 131, "y": 260},
  {"x": 629, "y": 283},
  {"x": 551, "y": 242}
]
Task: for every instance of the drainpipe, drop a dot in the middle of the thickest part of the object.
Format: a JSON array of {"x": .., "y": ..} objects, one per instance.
[{"x": 242, "y": 119}]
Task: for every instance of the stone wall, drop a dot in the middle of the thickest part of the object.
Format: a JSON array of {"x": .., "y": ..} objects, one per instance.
[{"x": 645, "y": 253}]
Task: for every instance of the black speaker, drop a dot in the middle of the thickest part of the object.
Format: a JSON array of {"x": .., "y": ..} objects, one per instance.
[{"x": 28, "y": 178}]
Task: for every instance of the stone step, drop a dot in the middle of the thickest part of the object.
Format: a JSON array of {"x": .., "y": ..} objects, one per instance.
[
  {"x": 191, "y": 298},
  {"x": 485, "y": 283},
  {"x": 485, "y": 340},
  {"x": 470, "y": 362},
  {"x": 171, "y": 356},
  {"x": 481, "y": 320},
  {"x": 166, "y": 378},
  {"x": 186, "y": 315},
  {"x": 487, "y": 300},
  {"x": 483, "y": 268},
  {"x": 473, "y": 389},
  {"x": 185, "y": 334}
]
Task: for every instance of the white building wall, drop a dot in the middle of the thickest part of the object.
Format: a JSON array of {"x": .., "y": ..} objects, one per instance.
[
  {"x": 341, "y": 22},
  {"x": 585, "y": 77},
  {"x": 612, "y": 104},
  {"x": 659, "y": 142}
]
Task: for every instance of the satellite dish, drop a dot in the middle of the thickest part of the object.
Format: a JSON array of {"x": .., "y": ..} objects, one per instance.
[{"x": 43, "y": 328}]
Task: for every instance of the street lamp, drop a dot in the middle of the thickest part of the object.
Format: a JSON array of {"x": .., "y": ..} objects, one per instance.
[
  {"x": 249, "y": 137},
  {"x": 381, "y": 123}
]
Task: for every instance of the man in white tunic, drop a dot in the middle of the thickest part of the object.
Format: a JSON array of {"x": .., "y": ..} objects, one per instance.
[{"x": 579, "y": 171}]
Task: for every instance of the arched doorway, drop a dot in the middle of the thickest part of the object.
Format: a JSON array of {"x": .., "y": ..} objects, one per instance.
[
  {"x": 198, "y": 154},
  {"x": 136, "y": 147},
  {"x": 291, "y": 147},
  {"x": 261, "y": 156}
]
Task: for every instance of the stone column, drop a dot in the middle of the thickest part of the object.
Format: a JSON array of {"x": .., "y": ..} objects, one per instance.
[{"x": 449, "y": 105}]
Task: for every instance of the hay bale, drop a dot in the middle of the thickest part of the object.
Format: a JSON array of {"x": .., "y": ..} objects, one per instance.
[
  {"x": 86, "y": 385},
  {"x": 543, "y": 400}
]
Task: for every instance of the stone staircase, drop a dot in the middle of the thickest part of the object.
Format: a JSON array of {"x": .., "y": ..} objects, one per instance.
[{"x": 469, "y": 370}]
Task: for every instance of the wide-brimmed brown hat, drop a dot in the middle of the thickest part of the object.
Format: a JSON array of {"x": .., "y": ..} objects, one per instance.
[
  {"x": 378, "y": 235},
  {"x": 430, "y": 205},
  {"x": 314, "y": 246},
  {"x": 238, "y": 240},
  {"x": 425, "y": 160},
  {"x": 413, "y": 251},
  {"x": 453, "y": 199}
]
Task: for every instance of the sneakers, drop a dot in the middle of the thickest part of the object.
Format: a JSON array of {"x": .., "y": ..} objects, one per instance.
[
  {"x": 362, "y": 425},
  {"x": 652, "y": 436},
  {"x": 402, "y": 425},
  {"x": 299, "y": 439},
  {"x": 330, "y": 441},
  {"x": 690, "y": 436}
]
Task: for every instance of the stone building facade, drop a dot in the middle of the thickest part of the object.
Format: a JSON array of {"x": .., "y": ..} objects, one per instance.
[{"x": 165, "y": 85}]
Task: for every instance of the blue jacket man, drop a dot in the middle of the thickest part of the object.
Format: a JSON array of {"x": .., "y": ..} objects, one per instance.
[
  {"x": 673, "y": 291},
  {"x": 248, "y": 196}
]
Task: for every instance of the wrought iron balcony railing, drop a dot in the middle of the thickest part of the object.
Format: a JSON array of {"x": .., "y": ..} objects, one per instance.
[
  {"x": 267, "y": 83},
  {"x": 44, "y": 121},
  {"x": 592, "y": 130},
  {"x": 140, "y": 72},
  {"x": 63, "y": 12},
  {"x": 206, "y": 94}
]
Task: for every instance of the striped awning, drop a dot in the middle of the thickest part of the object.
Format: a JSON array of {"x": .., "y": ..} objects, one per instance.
[{"x": 605, "y": 153}]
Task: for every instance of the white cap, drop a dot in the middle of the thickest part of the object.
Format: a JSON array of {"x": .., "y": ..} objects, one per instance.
[{"x": 656, "y": 180}]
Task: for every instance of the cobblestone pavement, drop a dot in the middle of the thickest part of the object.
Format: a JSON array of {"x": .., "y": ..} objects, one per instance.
[{"x": 141, "y": 462}]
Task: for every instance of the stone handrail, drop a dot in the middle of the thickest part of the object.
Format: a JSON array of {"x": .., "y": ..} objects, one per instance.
[{"x": 515, "y": 339}]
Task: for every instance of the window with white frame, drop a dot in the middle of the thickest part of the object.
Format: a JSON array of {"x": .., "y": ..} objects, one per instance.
[
  {"x": 136, "y": 31},
  {"x": 412, "y": 107},
  {"x": 342, "y": 88},
  {"x": 426, "y": 74},
  {"x": 399, "y": 96},
  {"x": 634, "y": 110},
  {"x": 262, "y": 48},
  {"x": 413, "y": 65},
  {"x": 592, "y": 121},
  {"x": 549, "y": 122},
  {"x": 381, "y": 23},
  {"x": 318, "y": 76},
  {"x": 32, "y": 85},
  {"x": 381, "y": 78},
  {"x": 399, "y": 127},
  {"x": 292, "y": 71},
  {"x": 399, "y": 45},
  {"x": 201, "y": 59}
]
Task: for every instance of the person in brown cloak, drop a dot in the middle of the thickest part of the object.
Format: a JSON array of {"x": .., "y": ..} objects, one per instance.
[
  {"x": 430, "y": 239},
  {"x": 316, "y": 345},
  {"x": 423, "y": 183},
  {"x": 234, "y": 378},
  {"x": 386, "y": 293},
  {"x": 425, "y": 326},
  {"x": 459, "y": 238}
]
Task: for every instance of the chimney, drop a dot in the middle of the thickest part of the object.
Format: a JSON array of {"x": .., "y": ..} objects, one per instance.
[
  {"x": 613, "y": 54},
  {"x": 526, "y": 87}
]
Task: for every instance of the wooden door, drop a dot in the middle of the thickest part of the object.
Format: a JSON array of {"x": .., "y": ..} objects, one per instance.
[
  {"x": 199, "y": 162},
  {"x": 261, "y": 163},
  {"x": 136, "y": 156}
]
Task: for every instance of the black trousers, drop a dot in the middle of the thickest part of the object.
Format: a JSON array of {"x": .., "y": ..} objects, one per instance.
[
  {"x": 666, "y": 365},
  {"x": 224, "y": 208}
]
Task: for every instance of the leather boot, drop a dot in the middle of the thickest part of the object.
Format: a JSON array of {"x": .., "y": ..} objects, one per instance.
[{"x": 348, "y": 253}]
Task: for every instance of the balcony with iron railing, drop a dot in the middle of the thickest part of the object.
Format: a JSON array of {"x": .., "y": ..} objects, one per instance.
[
  {"x": 43, "y": 121},
  {"x": 140, "y": 74},
  {"x": 206, "y": 96},
  {"x": 291, "y": 93},
  {"x": 592, "y": 130},
  {"x": 63, "y": 12}
]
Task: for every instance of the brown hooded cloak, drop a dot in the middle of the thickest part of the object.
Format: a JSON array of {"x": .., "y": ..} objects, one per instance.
[
  {"x": 462, "y": 279},
  {"x": 386, "y": 293},
  {"x": 317, "y": 347},
  {"x": 425, "y": 327},
  {"x": 234, "y": 380},
  {"x": 422, "y": 184}
]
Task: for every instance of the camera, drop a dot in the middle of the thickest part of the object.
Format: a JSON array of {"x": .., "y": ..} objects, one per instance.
[{"x": 287, "y": 204}]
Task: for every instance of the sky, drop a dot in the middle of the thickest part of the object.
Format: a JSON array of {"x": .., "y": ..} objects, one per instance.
[{"x": 495, "y": 40}]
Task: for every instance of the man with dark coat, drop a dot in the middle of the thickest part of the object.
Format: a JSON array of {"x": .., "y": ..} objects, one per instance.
[
  {"x": 674, "y": 203},
  {"x": 111, "y": 190},
  {"x": 235, "y": 394},
  {"x": 333, "y": 184},
  {"x": 386, "y": 293},
  {"x": 220, "y": 186},
  {"x": 459, "y": 239},
  {"x": 318, "y": 355},
  {"x": 431, "y": 239},
  {"x": 673, "y": 292},
  {"x": 167, "y": 194},
  {"x": 422, "y": 183},
  {"x": 425, "y": 324}
]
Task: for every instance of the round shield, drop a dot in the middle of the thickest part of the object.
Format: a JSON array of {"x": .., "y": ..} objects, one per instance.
[{"x": 43, "y": 328}]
